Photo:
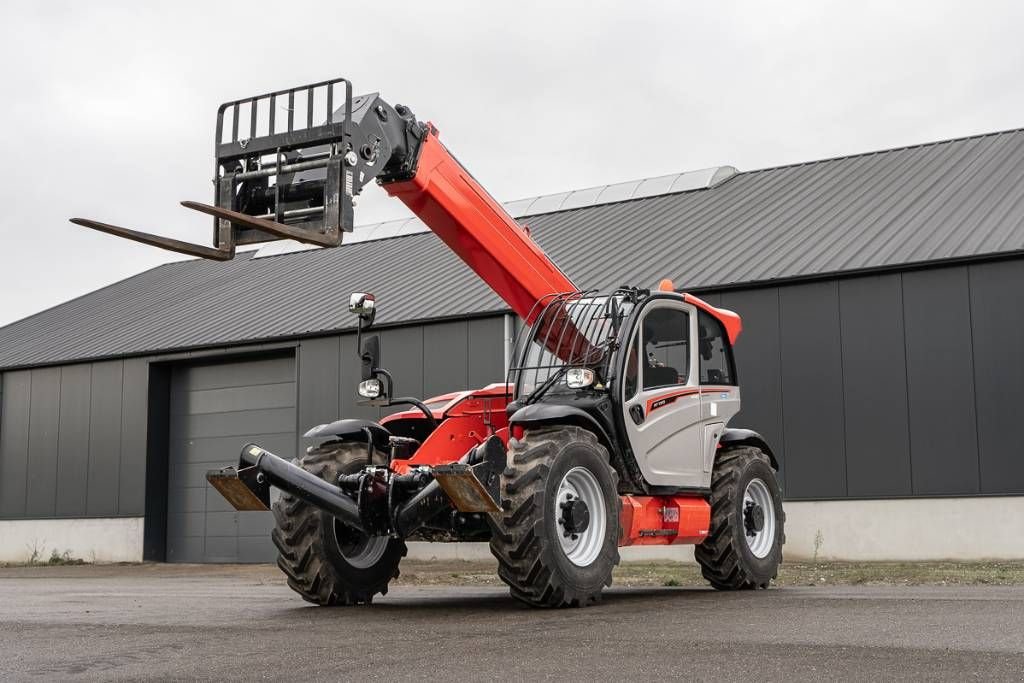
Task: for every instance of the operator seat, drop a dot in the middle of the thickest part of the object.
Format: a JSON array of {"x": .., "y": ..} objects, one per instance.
[{"x": 656, "y": 375}]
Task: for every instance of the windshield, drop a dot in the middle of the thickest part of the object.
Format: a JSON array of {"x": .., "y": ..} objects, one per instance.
[{"x": 572, "y": 331}]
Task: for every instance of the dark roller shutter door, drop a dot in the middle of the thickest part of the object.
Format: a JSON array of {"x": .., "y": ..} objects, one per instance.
[{"x": 215, "y": 410}]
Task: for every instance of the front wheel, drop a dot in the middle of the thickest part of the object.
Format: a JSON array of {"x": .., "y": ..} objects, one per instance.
[
  {"x": 743, "y": 548},
  {"x": 557, "y": 541},
  {"x": 326, "y": 562}
]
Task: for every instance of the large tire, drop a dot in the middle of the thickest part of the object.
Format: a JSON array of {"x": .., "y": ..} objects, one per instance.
[
  {"x": 542, "y": 564},
  {"x": 737, "y": 554},
  {"x": 326, "y": 562}
]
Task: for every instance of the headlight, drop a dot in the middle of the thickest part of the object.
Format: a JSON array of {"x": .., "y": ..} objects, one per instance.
[
  {"x": 578, "y": 378},
  {"x": 370, "y": 388}
]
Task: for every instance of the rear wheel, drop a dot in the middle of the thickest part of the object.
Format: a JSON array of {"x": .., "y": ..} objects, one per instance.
[
  {"x": 326, "y": 562},
  {"x": 744, "y": 544},
  {"x": 558, "y": 540}
]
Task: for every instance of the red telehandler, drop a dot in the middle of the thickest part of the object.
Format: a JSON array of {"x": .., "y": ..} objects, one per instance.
[{"x": 611, "y": 429}]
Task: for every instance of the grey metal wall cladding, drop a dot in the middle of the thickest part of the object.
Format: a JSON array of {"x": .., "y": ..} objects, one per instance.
[
  {"x": 888, "y": 385},
  {"x": 215, "y": 409},
  {"x": 812, "y": 415},
  {"x": 72, "y": 441},
  {"x": 874, "y": 387},
  {"x": 870, "y": 386},
  {"x": 14, "y": 428},
  {"x": 955, "y": 199},
  {"x": 997, "y": 320},
  {"x": 759, "y": 363},
  {"x": 940, "y": 382}
]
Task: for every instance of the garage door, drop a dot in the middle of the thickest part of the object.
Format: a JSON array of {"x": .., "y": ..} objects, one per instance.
[{"x": 215, "y": 410}]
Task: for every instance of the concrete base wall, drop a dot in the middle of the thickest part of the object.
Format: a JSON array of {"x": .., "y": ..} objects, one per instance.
[
  {"x": 116, "y": 539},
  {"x": 907, "y": 529},
  {"x": 856, "y": 530}
]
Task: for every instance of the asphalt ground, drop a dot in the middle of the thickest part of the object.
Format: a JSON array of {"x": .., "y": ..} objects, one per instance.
[{"x": 242, "y": 623}]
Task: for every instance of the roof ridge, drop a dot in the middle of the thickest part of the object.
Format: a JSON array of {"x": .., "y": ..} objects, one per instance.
[{"x": 855, "y": 155}]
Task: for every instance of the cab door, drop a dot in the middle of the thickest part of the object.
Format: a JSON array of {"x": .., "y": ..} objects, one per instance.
[{"x": 661, "y": 396}]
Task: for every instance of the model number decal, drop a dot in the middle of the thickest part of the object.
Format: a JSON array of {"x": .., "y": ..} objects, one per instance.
[{"x": 668, "y": 399}]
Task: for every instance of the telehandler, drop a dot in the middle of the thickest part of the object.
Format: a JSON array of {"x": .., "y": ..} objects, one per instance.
[{"x": 611, "y": 429}]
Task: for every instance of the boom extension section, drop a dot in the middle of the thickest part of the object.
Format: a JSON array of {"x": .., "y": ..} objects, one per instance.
[{"x": 279, "y": 176}]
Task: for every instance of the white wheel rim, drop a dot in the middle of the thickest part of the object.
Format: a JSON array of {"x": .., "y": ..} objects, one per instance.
[
  {"x": 760, "y": 541},
  {"x": 581, "y": 548},
  {"x": 363, "y": 554}
]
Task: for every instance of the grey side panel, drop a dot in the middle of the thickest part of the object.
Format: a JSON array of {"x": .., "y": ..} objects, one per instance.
[
  {"x": 318, "y": 383},
  {"x": 17, "y": 397},
  {"x": 73, "y": 440},
  {"x": 875, "y": 387},
  {"x": 44, "y": 420},
  {"x": 997, "y": 320},
  {"x": 131, "y": 497},
  {"x": 758, "y": 366},
  {"x": 402, "y": 355},
  {"x": 940, "y": 373},
  {"x": 486, "y": 352},
  {"x": 445, "y": 346},
  {"x": 104, "y": 439},
  {"x": 812, "y": 391}
]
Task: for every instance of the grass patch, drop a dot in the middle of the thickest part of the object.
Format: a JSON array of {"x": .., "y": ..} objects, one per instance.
[
  {"x": 56, "y": 559},
  {"x": 673, "y": 574}
]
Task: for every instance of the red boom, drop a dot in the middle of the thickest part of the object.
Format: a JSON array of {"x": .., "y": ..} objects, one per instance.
[{"x": 477, "y": 228}]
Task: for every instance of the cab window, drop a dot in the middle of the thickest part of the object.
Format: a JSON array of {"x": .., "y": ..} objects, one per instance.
[
  {"x": 716, "y": 363},
  {"x": 632, "y": 369},
  {"x": 666, "y": 352}
]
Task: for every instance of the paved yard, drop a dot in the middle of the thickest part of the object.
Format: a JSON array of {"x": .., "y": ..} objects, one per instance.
[{"x": 163, "y": 621}]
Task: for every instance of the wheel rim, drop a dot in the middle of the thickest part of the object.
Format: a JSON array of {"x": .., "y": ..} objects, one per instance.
[
  {"x": 359, "y": 550},
  {"x": 758, "y": 518},
  {"x": 581, "y": 546}
]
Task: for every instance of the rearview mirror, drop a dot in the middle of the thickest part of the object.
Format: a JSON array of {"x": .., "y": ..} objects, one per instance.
[{"x": 364, "y": 305}]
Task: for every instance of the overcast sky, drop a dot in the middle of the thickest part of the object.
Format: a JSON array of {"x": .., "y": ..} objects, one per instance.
[{"x": 108, "y": 108}]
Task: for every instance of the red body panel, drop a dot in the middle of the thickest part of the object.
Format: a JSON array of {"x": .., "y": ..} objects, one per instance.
[
  {"x": 466, "y": 420},
  {"x": 478, "y": 229},
  {"x": 664, "y": 520}
]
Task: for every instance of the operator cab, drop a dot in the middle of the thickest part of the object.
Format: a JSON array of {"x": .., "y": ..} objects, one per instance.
[{"x": 653, "y": 367}]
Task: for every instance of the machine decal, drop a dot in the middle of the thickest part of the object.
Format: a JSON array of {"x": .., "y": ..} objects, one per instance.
[{"x": 668, "y": 399}]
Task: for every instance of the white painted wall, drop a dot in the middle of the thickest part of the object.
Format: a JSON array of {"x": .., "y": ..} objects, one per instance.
[
  {"x": 987, "y": 528},
  {"x": 117, "y": 539}
]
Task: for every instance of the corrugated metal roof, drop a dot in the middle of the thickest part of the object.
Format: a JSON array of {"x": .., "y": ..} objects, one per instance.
[
  {"x": 954, "y": 199},
  {"x": 547, "y": 203}
]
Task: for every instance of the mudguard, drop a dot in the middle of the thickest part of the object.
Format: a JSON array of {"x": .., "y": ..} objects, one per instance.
[
  {"x": 353, "y": 429},
  {"x": 747, "y": 437},
  {"x": 554, "y": 413}
]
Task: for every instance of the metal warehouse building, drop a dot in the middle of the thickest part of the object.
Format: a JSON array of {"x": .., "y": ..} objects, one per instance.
[{"x": 882, "y": 354}]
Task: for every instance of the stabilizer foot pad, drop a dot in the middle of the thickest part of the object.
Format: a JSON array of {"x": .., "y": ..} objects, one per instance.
[
  {"x": 230, "y": 483},
  {"x": 464, "y": 489}
]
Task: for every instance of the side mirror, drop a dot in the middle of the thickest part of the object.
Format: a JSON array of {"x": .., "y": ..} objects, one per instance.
[{"x": 365, "y": 306}]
